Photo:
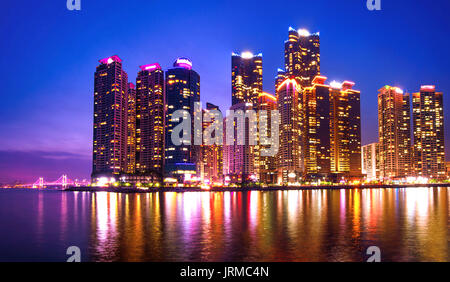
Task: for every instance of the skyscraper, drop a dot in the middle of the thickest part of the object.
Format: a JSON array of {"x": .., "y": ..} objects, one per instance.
[
  {"x": 267, "y": 165},
  {"x": 110, "y": 119},
  {"x": 281, "y": 76},
  {"x": 302, "y": 55},
  {"x": 394, "y": 132},
  {"x": 290, "y": 158},
  {"x": 370, "y": 155},
  {"x": 240, "y": 160},
  {"x": 345, "y": 129},
  {"x": 150, "y": 120},
  {"x": 182, "y": 91},
  {"x": 316, "y": 130},
  {"x": 246, "y": 77},
  {"x": 212, "y": 155},
  {"x": 131, "y": 129},
  {"x": 428, "y": 126}
]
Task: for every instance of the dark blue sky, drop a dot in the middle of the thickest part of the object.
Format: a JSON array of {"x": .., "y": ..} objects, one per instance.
[{"x": 49, "y": 55}]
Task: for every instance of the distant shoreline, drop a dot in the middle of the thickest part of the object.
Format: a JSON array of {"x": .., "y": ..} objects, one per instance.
[{"x": 244, "y": 189}]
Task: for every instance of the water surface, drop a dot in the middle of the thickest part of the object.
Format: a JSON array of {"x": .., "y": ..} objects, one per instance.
[{"x": 407, "y": 224}]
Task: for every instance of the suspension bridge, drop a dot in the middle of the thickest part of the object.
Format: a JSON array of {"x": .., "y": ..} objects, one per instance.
[{"x": 62, "y": 182}]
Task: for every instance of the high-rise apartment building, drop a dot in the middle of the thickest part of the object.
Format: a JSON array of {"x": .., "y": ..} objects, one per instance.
[
  {"x": 150, "y": 120},
  {"x": 246, "y": 77},
  {"x": 110, "y": 119},
  {"x": 370, "y": 159},
  {"x": 131, "y": 129},
  {"x": 240, "y": 159},
  {"x": 212, "y": 155},
  {"x": 267, "y": 165},
  {"x": 182, "y": 91},
  {"x": 345, "y": 129},
  {"x": 316, "y": 131},
  {"x": 394, "y": 133},
  {"x": 290, "y": 158},
  {"x": 302, "y": 55},
  {"x": 428, "y": 126}
]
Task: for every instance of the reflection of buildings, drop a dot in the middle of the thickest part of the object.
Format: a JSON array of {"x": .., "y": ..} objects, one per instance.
[
  {"x": 394, "y": 132},
  {"x": 428, "y": 126},
  {"x": 370, "y": 154},
  {"x": 110, "y": 118},
  {"x": 182, "y": 91}
]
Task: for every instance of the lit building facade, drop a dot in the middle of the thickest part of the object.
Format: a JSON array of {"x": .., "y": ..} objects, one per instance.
[
  {"x": 212, "y": 155},
  {"x": 316, "y": 131},
  {"x": 394, "y": 133},
  {"x": 302, "y": 55},
  {"x": 290, "y": 159},
  {"x": 150, "y": 120},
  {"x": 428, "y": 127},
  {"x": 370, "y": 155},
  {"x": 267, "y": 165},
  {"x": 345, "y": 130},
  {"x": 246, "y": 77},
  {"x": 240, "y": 163},
  {"x": 182, "y": 91},
  {"x": 131, "y": 129},
  {"x": 110, "y": 119}
]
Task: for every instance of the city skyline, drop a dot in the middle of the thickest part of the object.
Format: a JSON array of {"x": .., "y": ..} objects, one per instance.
[{"x": 71, "y": 146}]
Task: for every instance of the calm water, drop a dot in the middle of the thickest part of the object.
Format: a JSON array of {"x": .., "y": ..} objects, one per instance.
[{"x": 315, "y": 225}]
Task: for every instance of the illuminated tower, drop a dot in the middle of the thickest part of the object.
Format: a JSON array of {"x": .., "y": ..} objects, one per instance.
[
  {"x": 290, "y": 158},
  {"x": 246, "y": 77},
  {"x": 281, "y": 76},
  {"x": 302, "y": 55},
  {"x": 240, "y": 160},
  {"x": 110, "y": 119},
  {"x": 131, "y": 129},
  {"x": 267, "y": 164},
  {"x": 428, "y": 126},
  {"x": 345, "y": 129},
  {"x": 150, "y": 120},
  {"x": 212, "y": 155},
  {"x": 316, "y": 130},
  {"x": 394, "y": 132},
  {"x": 182, "y": 91},
  {"x": 370, "y": 159}
]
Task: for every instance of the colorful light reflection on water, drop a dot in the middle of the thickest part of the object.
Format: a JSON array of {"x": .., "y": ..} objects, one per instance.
[{"x": 310, "y": 225}]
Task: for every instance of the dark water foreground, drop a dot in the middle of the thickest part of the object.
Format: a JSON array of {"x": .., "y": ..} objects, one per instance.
[{"x": 407, "y": 224}]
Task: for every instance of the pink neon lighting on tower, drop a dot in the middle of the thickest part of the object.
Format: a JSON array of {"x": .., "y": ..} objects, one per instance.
[
  {"x": 110, "y": 60},
  {"x": 150, "y": 67}
]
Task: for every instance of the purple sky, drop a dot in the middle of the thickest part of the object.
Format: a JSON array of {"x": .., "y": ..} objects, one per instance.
[{"x": 49, "y": 55}]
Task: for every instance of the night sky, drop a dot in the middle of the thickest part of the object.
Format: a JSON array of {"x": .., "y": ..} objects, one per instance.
[{"x": 49, "y": 55}]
